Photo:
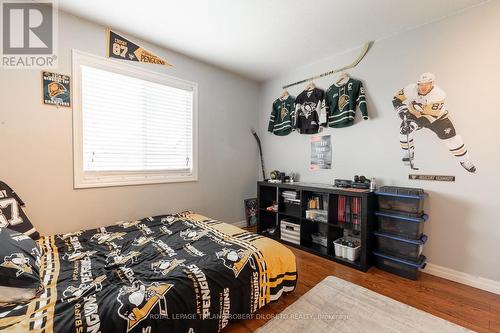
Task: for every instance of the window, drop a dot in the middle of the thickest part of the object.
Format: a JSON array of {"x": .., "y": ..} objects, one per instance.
[{"x": 131, "y": 125}]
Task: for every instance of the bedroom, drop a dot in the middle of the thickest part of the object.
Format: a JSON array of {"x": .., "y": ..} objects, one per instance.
[{"x": 82, "y": 160}]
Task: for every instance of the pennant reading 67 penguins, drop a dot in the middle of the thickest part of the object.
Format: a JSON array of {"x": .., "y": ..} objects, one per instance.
[{"x": 121, "y": 48}]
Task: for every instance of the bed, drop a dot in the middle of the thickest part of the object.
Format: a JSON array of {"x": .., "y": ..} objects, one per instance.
[{"x": 170, "y": 273}]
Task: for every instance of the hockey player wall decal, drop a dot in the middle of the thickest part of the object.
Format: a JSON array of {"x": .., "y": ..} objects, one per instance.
[{"x": 423, "y": 105}]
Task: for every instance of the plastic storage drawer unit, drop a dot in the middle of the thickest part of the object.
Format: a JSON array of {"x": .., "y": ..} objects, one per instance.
[
  {"x": 399, "y": 225},
  {"x": 290, "y": 232},
  {"x": 409, "y": 249},
  {"x": 401, "y": 267},
  {"x": 401, "y": 199}
]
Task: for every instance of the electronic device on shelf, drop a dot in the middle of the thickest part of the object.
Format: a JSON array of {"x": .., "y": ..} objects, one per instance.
[
  {"x": 344, "y": 183},
  {"x": 360, "y": 182}
]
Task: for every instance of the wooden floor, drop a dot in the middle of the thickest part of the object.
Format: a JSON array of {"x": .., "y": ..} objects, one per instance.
[{"x": 466, "y": 306}]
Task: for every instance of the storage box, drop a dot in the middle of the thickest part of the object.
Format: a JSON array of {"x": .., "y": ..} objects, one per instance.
[
  {"x": 409, "y": 249},
  {"x": 345, "y": 251},
  {"x": 290, "y": 231},
  {"x": 317, "y": 215},
  {"x": 401, "y": 199},
  {"x": 400, "y": 225},
  {"x": 404, "y": 268}
]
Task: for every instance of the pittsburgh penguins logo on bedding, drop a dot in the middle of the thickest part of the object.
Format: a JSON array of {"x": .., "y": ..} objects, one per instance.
[
  {"x": 18, "y": 262},
  {"x": 142, "y": 240},
  {"x": 117, "y": 258},
  {"x": 166, "y": 266},
  {"x": 192, "y": 235},
  {"x": 78, "y": 255},
  {"x": 70, "y": 234},
  {"x": 72, "y": 293},
  {"x": 128, "y": 224},
  {"x": 234, "y": 259},
  {"x": 103, "y": 237},
  {"x": 137, "y": 301},
  {"x": 168, "y": 220}
]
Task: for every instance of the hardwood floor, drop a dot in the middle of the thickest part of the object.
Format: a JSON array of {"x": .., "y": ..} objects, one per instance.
[{"x": 466, "y": 306}]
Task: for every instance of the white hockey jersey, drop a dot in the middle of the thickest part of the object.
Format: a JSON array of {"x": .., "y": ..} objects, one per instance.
[{"x": 431, "y": 106}]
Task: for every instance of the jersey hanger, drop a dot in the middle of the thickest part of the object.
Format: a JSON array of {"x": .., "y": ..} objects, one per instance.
[
  {"x": 343, "y": 78},
  {"x": 310, "y": 86},
  {"x": 284, "y": 95}
]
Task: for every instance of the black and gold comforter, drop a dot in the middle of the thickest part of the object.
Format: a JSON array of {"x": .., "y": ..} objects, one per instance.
[{"x": 160, "y": 274}]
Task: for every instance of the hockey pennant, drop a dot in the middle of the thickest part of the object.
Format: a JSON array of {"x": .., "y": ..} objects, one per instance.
[{"x": 119, "y": 47}]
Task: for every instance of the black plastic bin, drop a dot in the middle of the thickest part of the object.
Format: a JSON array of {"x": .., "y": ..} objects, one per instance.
[
  {"x": 405, "y": 268},
  {"x": 403, "y": 248},
  {"x": 401, "y": 199},
  {"x": 400, "y": 225}
]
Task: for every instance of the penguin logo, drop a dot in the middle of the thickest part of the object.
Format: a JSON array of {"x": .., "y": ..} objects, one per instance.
[
  {"x": 165, "y": 266},
  {"x": 235, "y": 260},
  {"x": 18, "y": 262},
  {"x": 137, "y": 301}
]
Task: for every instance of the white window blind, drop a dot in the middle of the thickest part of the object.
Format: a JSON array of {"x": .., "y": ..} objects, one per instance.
[
  {"x": 131, "y": 124},
  {"x": 133, "y": 130}
]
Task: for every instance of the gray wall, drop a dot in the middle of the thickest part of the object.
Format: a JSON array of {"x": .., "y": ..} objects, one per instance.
[
  {"x": 37, "y": 152},
  {"x": 463, "y": 51}
]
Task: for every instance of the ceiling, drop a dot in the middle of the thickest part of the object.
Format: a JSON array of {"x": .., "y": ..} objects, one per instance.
[{"x": 262, "y": 38}]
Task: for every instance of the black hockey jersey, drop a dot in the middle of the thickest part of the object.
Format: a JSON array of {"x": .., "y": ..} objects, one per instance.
[
  {"x": 11, "y": 214},
  {"x": 310, "y": 111},
  {"x": 282, "y": 116},
  {"x": 341, "y": 102}
]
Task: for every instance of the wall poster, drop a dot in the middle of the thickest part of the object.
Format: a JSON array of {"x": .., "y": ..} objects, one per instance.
[
  {"x": 56, "y": 89},
  {"x": 321, "y": 152},
  {"x": 422, "y": 105}
]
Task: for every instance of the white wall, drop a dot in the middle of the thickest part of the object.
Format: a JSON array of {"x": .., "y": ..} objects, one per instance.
[
  {"x": 36, "y": 156},
  {"x": 463, "y": 51}
]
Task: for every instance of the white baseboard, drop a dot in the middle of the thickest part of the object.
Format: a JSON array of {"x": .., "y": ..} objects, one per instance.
[
  {"x": 239, "y": 224},
  {"x": 463, "y": 278}
]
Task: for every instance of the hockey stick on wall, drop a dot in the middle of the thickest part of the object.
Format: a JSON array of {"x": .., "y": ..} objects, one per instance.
[
  {"x": 365, "y": 50},
  {"x": 260, "y": 151}
]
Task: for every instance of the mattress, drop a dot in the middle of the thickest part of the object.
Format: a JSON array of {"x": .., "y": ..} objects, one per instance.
[{"x": 170, "y": 273}]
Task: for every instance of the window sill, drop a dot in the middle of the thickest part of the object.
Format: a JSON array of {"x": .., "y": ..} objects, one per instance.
[{"x": 112, "y": 181}]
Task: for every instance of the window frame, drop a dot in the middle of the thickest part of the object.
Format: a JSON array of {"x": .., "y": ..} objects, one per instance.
[{"x": 93, "y": 179}]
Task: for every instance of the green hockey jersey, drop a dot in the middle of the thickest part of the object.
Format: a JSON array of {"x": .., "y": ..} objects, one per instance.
[
  {"x": 342, "y": 100},
  {"x": 282, "y": 116}
]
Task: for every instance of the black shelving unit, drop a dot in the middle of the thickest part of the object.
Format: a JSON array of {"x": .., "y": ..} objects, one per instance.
[{"x": 267, "y": 193}]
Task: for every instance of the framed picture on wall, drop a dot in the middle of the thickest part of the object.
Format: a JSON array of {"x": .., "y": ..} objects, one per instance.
[{"x": 251, "y": 211}]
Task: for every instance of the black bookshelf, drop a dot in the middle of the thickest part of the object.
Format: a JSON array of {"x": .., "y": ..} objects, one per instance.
[{"x": 267, "y": 193}]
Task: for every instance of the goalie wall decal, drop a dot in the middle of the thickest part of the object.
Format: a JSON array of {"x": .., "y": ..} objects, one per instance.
[{"x": 423, "y": 105}]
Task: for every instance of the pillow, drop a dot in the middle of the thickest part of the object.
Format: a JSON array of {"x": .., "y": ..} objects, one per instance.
[
  {"x": 11, "y": 214},
  {"x": 19, "y": 266}
]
